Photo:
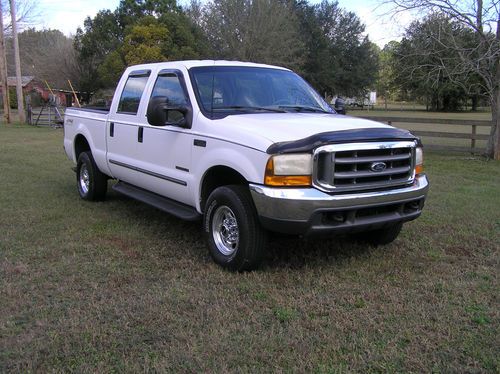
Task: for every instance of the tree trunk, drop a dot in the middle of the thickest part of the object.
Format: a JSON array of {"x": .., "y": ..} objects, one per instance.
[
  {"x": 3, "y": 72},
  {"x": 496, "y": 135},
  {"x": 19, "y": 85},
  {"x": 474, "y": 103},
  {"x": 493, "y": 147}
]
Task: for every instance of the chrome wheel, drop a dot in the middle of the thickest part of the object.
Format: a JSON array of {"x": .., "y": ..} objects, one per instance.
[
  {"x": 225, "y": 230},
  {"x": 84, "y": 179}
]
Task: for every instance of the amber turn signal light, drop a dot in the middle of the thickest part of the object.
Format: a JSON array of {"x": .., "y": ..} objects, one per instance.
[{"x": 288, "y": 180}]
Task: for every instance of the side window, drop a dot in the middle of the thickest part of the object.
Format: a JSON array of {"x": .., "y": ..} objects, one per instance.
[
  {"x": 131, "y": 94},
  {"x": 169, "y": 86}
]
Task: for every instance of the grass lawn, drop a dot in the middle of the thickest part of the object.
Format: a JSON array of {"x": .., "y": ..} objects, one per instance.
[{"x": 119, "y": 286}]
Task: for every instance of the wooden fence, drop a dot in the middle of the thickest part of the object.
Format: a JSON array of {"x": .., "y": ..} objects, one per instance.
[
  {"x": 47, "y": 115},
  {"x": 461, "y": 124}
]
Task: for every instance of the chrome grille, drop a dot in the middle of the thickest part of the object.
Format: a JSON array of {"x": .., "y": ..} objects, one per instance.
[{"x": 363, "y": 166}]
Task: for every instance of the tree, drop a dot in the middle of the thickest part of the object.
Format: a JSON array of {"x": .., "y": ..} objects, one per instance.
[
  {"x": 323, "y": 42},
  {"x": 3, "y": 71},
  {"x": 100, "y": 37},
  {"x": 418, "y": 61},
  {"x": 386, "y": 79},
  {"x": 19, "y": 89},
  {"x": 263, "y": 31},
  {"x": 144, "y": 42},
  {"x": 482, "y": 59},
  {"x": 48, "y": 55},
  {"x": 129, "y": 11},
  {"x": 339, "y": 57},
  {"x": 137, "y": 31},
  {"x": 27, "y": 12},
  {"x": 22, "y": 12}
]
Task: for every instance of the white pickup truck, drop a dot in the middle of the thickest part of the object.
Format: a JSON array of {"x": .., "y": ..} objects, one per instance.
[{"x": 248, "y": 148}]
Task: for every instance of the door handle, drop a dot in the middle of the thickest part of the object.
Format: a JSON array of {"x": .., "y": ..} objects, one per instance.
[
  {"x": 111, "y": 129},
  {"x": 140, "y": 133}
]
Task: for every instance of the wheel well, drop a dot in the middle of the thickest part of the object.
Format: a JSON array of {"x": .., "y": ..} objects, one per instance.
[
  {"x": 218, "y": 176},
  {"x": 81, "y": 145}
]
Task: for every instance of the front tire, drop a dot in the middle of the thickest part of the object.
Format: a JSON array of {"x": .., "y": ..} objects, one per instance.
[
  {"x": 234, "y": 237},
  {"x": 92, "y": 184}
]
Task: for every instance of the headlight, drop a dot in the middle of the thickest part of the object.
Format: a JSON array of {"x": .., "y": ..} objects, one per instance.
[
  {"x": 419, "y": 160},
  {"x": 289, "y": 170}
]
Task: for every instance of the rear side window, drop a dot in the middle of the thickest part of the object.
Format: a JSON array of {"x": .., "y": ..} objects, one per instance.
[{"x": 132, "y": 92}]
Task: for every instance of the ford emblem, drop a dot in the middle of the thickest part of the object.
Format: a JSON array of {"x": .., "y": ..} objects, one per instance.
[{"x": 377, "y": 167}]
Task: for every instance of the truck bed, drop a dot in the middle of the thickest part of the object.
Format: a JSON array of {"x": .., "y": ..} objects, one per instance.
[{"x": 98, "y": 109}]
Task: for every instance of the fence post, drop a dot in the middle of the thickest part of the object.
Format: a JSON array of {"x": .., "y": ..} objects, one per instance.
[
  {"x": 29, "y": 114},
  {"x": 28, "y": 110},
  {"x": 473, "y": 140}
]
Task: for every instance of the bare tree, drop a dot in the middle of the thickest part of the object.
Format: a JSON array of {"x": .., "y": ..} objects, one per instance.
[
  {"x": 482, "y": 59},
  {"x": 27, "y": 12},
  {"x": 48, "y": 55},
  {"x": 19, "y": 86},
  {"x": 22, "y": 13},
  {"x": 3, "y": 71}
]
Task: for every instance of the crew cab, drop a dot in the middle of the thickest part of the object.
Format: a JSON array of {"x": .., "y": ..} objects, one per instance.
[{"x": 246, "y": 148}]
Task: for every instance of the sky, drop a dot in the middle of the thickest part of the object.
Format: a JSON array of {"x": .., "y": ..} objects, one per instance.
[{"x": 67, "y": 15}]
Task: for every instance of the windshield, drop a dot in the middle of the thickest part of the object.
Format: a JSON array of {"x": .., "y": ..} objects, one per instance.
[{"x": 236, "y": 90}]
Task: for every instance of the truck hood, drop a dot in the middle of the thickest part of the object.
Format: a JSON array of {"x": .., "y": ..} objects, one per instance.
[
  {"x": 270, "y": 128},
  {"x": 282, "y": 127}
]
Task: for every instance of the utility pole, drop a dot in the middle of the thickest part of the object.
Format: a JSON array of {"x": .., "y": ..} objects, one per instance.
[
  {"x": 19, "y": 84},
  {"x": 3, "y": 72}
]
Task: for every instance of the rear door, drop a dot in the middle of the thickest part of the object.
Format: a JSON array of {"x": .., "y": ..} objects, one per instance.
[{"x": 124, "y": 127}]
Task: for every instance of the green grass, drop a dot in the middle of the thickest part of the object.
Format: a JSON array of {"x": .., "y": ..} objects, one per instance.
[{"x": 119, "y": 286}]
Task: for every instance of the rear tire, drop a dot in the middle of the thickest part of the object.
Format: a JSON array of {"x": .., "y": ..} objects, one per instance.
[
  {"x": 92, "y": 184},
  {"x": 383, "y": 236},
  {"x": 234, "y": 236}
]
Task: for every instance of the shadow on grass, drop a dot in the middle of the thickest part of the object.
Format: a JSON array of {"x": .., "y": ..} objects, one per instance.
[
  {"x": 286, "y": 251},
  {"x": 283, "y": 251}
]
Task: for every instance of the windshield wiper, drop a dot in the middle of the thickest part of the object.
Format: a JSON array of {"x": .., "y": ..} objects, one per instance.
[
  {"x": 249, "y": 108},
  {"x": 304, "y": 108}
]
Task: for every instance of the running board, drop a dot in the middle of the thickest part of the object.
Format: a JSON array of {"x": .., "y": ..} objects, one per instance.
[{"x": 175, "y": 208}]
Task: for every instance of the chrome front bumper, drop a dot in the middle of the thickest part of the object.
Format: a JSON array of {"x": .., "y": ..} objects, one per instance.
[{"x": 308, "y": 210}]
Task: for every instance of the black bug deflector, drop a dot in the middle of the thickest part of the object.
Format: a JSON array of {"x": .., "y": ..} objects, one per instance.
[{"x": 344, "y": 136}]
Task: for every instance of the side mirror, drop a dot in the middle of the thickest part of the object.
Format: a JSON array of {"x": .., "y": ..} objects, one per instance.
[{"x": 160, "y": 113}]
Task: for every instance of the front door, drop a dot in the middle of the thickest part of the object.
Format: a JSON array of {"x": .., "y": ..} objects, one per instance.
[{"x": 164, "y": 155}]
